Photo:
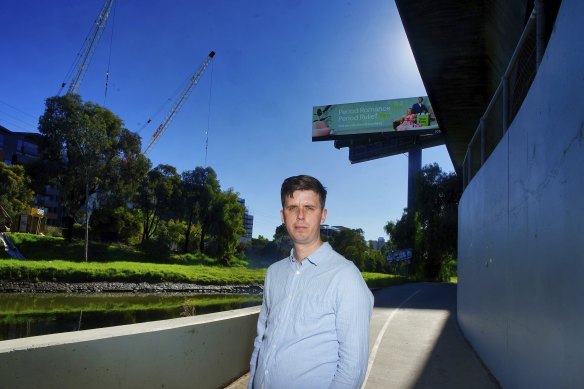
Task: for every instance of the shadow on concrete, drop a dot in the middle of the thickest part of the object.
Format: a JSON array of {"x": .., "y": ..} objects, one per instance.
[{"x": 423, "y": 346}]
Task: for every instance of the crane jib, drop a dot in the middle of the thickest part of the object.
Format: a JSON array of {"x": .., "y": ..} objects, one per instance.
[{"x": 179, "y": 103}]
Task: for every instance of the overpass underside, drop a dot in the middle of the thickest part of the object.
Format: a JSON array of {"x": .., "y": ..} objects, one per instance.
[{"x": 521, "y": 216}]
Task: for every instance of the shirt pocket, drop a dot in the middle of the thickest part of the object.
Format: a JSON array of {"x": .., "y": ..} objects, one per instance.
[{"x": 315, "y": 313}]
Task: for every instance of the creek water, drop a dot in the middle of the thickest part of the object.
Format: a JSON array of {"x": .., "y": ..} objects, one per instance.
[{"x": 23, "y": 315}]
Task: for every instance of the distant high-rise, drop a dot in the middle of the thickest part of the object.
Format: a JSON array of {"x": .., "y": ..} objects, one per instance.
[
  {"x": 247, "y": 222},
  {"x": 378, "y": 244}
]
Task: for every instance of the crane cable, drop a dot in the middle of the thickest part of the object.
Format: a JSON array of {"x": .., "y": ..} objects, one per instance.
[
  {"x": 165, "y": 104},
  {"x": 208, "y": 116},
  {"x": 109, "y": 60}
]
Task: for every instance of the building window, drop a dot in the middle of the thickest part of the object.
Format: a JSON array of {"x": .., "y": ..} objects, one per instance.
[{"x": 27, "y": 148}]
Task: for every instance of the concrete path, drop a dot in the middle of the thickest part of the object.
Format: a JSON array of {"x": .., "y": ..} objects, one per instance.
[{"x": 415, "y": 342}]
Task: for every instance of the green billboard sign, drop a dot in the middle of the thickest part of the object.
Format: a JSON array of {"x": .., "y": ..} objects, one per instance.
[{"x": 384, "y": 116}]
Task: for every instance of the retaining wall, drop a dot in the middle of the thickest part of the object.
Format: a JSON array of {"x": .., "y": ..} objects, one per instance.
[{"x": 207, "y": 351}]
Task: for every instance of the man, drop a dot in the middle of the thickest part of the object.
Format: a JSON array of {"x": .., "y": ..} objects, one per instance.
[
  {"x": 313, "y": 328},
  {"x": 419, "y": 107}
]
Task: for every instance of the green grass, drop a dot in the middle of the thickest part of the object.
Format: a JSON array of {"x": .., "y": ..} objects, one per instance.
[
  {"x": 65, "y": 271},
  {"x": 48, "y": 248},
  {"x": 382, "y": 280},
  {"x": 54, "y": 259}
]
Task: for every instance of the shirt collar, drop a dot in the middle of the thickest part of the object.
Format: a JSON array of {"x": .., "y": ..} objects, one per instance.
[{"x": 316, "y": 257}]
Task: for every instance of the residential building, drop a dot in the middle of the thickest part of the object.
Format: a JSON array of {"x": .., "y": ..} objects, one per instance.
[{"x": 20, "y": 148}]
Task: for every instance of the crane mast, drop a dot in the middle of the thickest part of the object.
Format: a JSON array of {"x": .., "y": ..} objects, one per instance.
[
  {"x": 89, "y": 47},
  {"x": 179, "y": 103}
]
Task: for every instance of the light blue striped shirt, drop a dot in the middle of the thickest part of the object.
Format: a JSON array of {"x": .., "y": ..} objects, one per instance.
[{"x": 313, "y": 328}]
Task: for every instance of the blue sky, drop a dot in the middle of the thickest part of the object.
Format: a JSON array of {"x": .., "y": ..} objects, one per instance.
[{"x": 275, "y": 60}]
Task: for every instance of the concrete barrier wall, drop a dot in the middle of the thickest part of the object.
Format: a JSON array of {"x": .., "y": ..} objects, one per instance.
[
  {"x": 521, "y": 230},
  {"x": 207, "y": 351}
]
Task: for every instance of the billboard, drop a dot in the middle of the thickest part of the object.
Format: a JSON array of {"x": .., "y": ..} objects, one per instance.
[
  {"x": 400, "y": 255},
  {"x": 341, "y": 121}
]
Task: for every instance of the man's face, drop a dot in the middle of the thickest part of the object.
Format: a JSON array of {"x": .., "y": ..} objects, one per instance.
[
  {"x": 419, "y": 100},
  {"x": 302, "y": 215}
]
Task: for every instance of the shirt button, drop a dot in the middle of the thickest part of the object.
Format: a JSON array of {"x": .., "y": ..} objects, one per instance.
[
  {"x": 297, "y": 271},
  {"x": 266, "y": 372}
]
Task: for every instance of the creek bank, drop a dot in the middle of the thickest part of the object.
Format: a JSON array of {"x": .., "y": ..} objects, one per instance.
[{"x": 124, "y": 287}]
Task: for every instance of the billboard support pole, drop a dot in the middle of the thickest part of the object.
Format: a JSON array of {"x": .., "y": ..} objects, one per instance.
[{"x": 414, "y": 167}]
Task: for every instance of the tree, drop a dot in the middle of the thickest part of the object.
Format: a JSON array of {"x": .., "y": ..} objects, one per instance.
[
  {"x": 282, "y": 239},
  {"x": 400, "y": 232},
  {"x": 405, "y": 233},
  {"x": 438, "y": 197},
  {"x": 157, "y": 196},
  {"x": 225, "y": 226},
  {"x": 117, "y": 224},
  {"x": 16, "y": 195},
  {"x": 199, "y": 187},
  {"x": 171, "y": 234},
  {"x": 433, "y": 230},
  {"x": 351, "y": 244},
  {"x": 218, "y": 214},
  {"x": 376, "y": 261},
  {"x": 262, "y": 252},
  {"x": 128, "y": 169},
  {"x": 86, "y": 151}
]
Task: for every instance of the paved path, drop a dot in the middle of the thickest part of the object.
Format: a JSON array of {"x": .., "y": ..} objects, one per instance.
[{"x": 415, "y": 342}]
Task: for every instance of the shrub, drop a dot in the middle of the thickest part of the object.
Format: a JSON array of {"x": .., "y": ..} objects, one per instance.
[
  {"x": 53, "y": 231},
  {"x": 448, "y": 269}
]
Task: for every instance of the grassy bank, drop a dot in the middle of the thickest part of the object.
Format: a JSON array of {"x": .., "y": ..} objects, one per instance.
[
  {"x": 65, "y": 271},
  {"x": 48, "y": 248},
  {"x": 54, "y": 259}
]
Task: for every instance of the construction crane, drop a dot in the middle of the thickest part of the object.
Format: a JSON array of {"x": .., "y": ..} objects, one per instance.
[
  {"x": 179, "y": 103},
  {"x": 83, "y": 59}
]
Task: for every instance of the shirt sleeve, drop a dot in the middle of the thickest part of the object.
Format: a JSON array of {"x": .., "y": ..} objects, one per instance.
[
  {"x": 354, "y": 306},
  {"x": 261, "y": 328}
]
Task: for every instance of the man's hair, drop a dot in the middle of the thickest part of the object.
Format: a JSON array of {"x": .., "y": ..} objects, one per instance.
[
  {"x": 421, "y": 98},
  {"x": 302, "y": 182}
]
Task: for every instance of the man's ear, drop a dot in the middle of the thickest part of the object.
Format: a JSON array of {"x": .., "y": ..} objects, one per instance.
[
  {"x": 323, "y": 217},
  {"x": 282, "y": 216}
]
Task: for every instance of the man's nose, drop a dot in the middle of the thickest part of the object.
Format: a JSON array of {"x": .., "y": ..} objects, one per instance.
[{"x": 300, "y": 213}]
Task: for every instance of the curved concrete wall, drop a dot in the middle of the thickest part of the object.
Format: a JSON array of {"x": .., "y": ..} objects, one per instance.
[
  {"x": 207, "y": 351},
  {"x": 521, "y": 230}
]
